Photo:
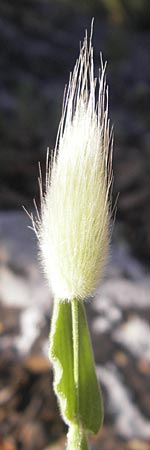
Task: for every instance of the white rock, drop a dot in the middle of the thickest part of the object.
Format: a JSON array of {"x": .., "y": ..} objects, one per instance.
[
  {"x": 129, "y": 421},
  {"x": 135, "y": 335}
]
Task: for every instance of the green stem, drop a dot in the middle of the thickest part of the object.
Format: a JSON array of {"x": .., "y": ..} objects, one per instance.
[
  {"x": 75, "y": 335},
  {"x": 76, "y": 435},
  {"x": 76, "y": 439}
]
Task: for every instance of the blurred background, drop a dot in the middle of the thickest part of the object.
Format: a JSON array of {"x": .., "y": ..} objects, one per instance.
[{"x": 39, "y": 44}]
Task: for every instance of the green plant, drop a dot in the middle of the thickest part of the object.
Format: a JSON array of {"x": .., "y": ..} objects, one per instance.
[{"x": 74, "y": 233}]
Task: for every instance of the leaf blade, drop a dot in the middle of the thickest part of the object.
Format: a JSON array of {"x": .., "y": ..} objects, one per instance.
[
  {"x": 61, "y": 354},
  {"x": 90, "y": 398}
]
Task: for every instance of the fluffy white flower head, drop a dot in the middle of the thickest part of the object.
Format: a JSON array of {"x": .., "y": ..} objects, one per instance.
[{"x": 74, "y": 227}]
